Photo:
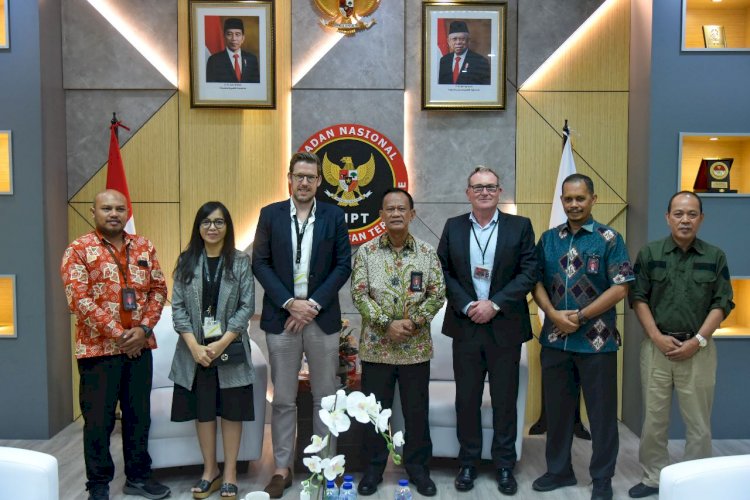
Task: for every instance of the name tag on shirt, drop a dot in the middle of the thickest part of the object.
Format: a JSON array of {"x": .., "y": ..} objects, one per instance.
[
  {"x": 128, "y": 299},
  {"x": 482, "y": 273},
  {"x": 416, "y": 281},
  {"x": 211, "y": 328}
]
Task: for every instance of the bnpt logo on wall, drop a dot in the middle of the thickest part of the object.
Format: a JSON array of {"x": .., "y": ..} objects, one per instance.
[{"x": 359, "y": 164}]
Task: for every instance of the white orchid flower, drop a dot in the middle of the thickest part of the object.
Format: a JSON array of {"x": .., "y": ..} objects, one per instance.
[
  {"x": 337, "y": 421},
  {"x": 334, "y": 467},
  {"x": 317, "y": 444},
  {"x": 398, "y": 439},
  {"x": 334, "y": 401},
  {"x": 314, "y": 464},
  {"x": 382, "y": 421},
  {"x": 361, "y": 407}
]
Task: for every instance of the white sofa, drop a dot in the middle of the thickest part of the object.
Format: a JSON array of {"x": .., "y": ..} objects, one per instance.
[
  {"x": 28, "y": 474},
  {"x": 727, "y": 478},
  {"x": 443, "y": 399},
  {"x": 176, "y": 443}
]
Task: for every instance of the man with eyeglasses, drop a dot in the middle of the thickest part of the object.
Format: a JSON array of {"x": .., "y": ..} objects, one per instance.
[
  {"x": 462, "y": 66},
  {"x": 301, "y": 258},
  {"x": 116, "y": 290},
  {"x": 489, "y": 264},
  {"x": 584, "y": 271},
  {"x": 682, "y": 293},
  {"x": 397, "y": 286}
]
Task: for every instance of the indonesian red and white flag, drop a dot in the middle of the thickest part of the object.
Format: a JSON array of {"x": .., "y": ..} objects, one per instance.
[
  {"x": 116, "y": 173},
  {"x": 214, "y": 35}
]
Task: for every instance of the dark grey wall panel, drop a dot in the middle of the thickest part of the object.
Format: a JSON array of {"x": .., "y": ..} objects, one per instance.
[
  {"x": 370, "y": 59},
  {"x": 97, "y": 56},
  {"x": 88, "y": 115}
]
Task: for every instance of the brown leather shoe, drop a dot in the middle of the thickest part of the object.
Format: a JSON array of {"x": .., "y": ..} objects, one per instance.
[{"x": 275, "y": 488}]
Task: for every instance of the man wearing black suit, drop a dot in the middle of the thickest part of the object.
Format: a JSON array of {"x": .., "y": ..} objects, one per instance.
[
  {"x": 489, "y": 261},
  {"x": 462, "y": 66},
  {"x": 301, "y": 257},
  {"x": 233, "y": 65}
]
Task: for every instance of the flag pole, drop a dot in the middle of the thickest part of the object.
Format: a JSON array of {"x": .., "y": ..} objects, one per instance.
[{"x": 115, "y": 121}]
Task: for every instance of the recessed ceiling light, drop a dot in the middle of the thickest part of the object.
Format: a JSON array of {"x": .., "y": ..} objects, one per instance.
[
  {"x": 713, "y": 138},
  {"x": 716, "y": 1}
]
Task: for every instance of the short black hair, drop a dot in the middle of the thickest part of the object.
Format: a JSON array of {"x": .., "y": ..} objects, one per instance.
[
  {"x": 397, "y": 190},
  {"x": 580, "y": 178},
  {"x": 700, "y": 202}
]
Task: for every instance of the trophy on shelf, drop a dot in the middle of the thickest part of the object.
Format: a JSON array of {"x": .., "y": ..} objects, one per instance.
[
  {"x": 713, "y": 176},
  {"x": 713, "y": 36}
]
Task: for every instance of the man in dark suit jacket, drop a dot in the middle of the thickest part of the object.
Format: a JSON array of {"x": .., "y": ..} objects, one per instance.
[
  {"x": 462, "y": 66},
  {"x": 233, "y": 65},
  {"x": 301, "y": 257},
  {"x": 489, "y": 261}
]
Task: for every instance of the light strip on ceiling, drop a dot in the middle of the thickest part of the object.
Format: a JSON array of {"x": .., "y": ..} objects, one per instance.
[
  {"x": 137, "y": 38},
  {"x": 573, "y": 39}
]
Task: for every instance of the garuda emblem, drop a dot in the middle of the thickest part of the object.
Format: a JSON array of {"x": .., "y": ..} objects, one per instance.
[
  {"x": 348, "y": 180},
  {"x": 346, "y": 15}
]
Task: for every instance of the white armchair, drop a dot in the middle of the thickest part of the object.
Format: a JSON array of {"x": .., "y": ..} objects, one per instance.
[
  {"x": 442, "y": 390},
  {"x": 28, "y": 474},
  {"x": 727, "y": 478},
  {"x": 176, "y": 443}
]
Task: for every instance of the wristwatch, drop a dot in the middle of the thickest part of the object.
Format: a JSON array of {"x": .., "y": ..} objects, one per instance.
[
  {"x": 495, "y": 307},
  {"x": 148, "y": 331},
  {"x": 702, "y": 342},
  {"x": 582, "y": 319}
]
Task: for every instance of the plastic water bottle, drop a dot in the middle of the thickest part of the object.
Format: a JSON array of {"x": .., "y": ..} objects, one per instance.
[
  {"x": 332, "y": 492},
  {"x": 403, "y": 492},
  {"x": 348, "y": 478},
  {"x": 348, "y": 492}
]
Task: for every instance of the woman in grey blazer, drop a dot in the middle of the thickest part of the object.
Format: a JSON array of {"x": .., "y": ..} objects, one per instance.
[{"x": 212, "y": 302}]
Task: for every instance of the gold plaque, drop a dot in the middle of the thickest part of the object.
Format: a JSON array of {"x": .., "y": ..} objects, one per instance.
[
  {"x": 346, "y": 15},
  {"x": 713, "y": 36}
]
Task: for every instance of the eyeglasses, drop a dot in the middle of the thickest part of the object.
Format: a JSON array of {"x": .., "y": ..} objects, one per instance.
[
  {"x": 478, "y": 188},
  {"x": 217, "y": 223},
  {"x": 309, "y": 178},
  {"x": 395, "y": 210}
]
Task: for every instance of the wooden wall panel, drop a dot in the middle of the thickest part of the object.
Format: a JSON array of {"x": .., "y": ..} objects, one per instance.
[
  {"x": 150, "y": 159},
  {"x": 594, "y": 59},
  {"x": 595, "y": 64}
]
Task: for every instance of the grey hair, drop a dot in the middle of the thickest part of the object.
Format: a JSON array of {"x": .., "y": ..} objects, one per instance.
[{"x": 479, "y": 169}]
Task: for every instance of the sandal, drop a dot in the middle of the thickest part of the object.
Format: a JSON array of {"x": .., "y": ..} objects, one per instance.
[
  {"x": 228, "y": 490},
  {"x": 206, "y": 487}
]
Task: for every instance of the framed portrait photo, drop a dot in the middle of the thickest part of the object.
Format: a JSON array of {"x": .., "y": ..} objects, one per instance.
[
  {"x": 463, "y": 55},
  {"x": 232, "y": 56}
]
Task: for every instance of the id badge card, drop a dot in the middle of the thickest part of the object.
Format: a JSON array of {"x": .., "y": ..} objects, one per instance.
[
  {"x": 128, "y": 299},
  {"x": 592, "y": 264},
  {"x": 482, "y": 273},
  {"x": 415, "y": 283},
  {"x": 211, "y": 328}
]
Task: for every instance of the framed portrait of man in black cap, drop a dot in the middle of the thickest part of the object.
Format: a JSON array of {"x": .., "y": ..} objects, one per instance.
[
  {"x": 463, "y": 55},
  {"x": 232, "y": 54}
]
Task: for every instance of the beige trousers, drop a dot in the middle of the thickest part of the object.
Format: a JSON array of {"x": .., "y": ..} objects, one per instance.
[{"x": 693, "y": 380}]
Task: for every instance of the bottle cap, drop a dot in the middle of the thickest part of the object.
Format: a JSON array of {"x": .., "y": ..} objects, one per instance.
[
  {"x": 403, "y": 482},
  {"x": 347, "y": 486},
  {"x": 330, "y": 484},
  {"x": 348, "y": 478}
]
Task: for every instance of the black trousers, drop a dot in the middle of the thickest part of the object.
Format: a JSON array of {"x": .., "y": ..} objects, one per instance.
[
  {"x": 105, "y": 380},
  {"x": 475, "y": 358},
  {"x": 413, "y": 383},
  {"x": 598, "y": 379}
]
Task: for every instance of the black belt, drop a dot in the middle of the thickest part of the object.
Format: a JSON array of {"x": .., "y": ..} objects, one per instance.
[{"x": 681, "y": 336}]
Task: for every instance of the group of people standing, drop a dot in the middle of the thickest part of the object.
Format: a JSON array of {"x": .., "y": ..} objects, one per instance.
[{"x": 485, "y": 265}]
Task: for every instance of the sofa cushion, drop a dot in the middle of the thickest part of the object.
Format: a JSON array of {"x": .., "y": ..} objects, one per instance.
[
  {"x": 166, "y": 341},
  {"x": 443, "y": 404}
]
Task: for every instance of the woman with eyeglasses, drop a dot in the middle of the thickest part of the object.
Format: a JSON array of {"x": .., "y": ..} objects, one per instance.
[{"x": 212, "y": 302}]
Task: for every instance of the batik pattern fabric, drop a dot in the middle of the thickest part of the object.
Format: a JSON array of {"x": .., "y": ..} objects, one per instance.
[
  {"x": 383, "y": 289},
  {"x": 575, "y": 269},
  {"x": 93, "y": 287}
]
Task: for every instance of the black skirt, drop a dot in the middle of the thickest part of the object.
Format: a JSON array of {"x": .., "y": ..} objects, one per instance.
[{"x": 206, "y": 400}]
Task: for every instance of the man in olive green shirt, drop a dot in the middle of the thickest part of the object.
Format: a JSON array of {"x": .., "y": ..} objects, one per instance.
[
  {"x": 681, "y": 295},
  {"x": 398, "y": 287}
]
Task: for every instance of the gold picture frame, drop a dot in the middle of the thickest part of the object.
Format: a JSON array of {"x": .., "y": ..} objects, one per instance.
[
  {"x": 215, "y": 80},
  {"x": 464, "y": 55}
]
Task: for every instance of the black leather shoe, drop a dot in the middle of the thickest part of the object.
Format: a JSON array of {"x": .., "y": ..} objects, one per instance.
[
  {"x": 465, "y": 478},
  {"x": 549, "y": 482},
  {"x": 425, "y": 485},
  {"x": 369, "y": 484},
  {"x": 640, "y": 490},
  {"x": 506, "y": 483},
  {"x": 99, "y": 492},
  {"x": 602, "y": 489}
]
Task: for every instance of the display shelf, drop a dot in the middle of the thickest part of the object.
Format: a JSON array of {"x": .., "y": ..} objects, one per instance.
[
  {"x": 6, "y": 163},
  {"x": 732, "y": 15},
  {"x": 695, "y": 147},
  {"x": 737, "y": 324},
  {"x": 7, "y": 306}
]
